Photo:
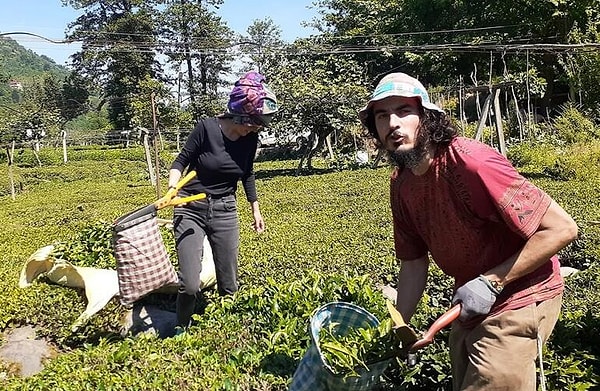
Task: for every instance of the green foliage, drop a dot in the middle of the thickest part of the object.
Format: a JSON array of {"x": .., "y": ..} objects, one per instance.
[
  {"x": 578, "y": 161},
  {"x": 321, "y": 97},
  {"x": 570, "y": 175},
  {"x": 263, "y": 41},
  {"x": 111, "y": 35},
  {"x": 74, "y": 96},
  {"x": 185, "y": 26},
  {"x": 28, "y": 122},
  {"x": 573, "y": 354},
  {"x": 581, "y": 67},
  {"x": 92, "y": 247},
  {"x": 155, "y": 102},
  {"x": 20, "y": 64},
  {"x": 572, "y": 126},
  {"x": 88, "y": 128},
  {"x": 530, "y": 157},
  {"x": 328, "y": 238},
  {"x": 35, "y": 108},
  {"x": 346, "y": 354}
]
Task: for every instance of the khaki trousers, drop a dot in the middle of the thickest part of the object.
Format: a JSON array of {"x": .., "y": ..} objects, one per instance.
[{"x": 500, "y": 353}]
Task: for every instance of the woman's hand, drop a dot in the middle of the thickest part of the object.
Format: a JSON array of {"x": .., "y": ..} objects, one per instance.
[{"x": 259, "y": 222}]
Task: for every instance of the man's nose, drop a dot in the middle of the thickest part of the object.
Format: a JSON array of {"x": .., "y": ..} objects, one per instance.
[{"x": 395, "y": 121}]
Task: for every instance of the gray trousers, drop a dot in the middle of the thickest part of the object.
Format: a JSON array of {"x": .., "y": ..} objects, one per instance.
[{"x": 216, "y": 218}]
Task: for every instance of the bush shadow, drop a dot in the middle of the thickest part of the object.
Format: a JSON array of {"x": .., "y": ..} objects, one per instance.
[{"x": 278, "y": 364}]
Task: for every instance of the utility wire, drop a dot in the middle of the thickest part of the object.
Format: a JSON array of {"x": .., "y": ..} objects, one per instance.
[{"x": 204, "y": 45}]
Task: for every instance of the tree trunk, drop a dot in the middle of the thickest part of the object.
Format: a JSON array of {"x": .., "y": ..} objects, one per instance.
[
  {"x": 156, "y": 151},
  {"x": 517, "y": 113},
  {"x": 498, "y": 116},
  {"x": 329, "y": 148}
]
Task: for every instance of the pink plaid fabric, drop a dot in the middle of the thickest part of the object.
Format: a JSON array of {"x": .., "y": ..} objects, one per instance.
[{"x": 143, "y": 264}]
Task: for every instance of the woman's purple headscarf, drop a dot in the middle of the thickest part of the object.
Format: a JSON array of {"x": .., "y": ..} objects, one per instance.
[{"x": 250, "y": 96}]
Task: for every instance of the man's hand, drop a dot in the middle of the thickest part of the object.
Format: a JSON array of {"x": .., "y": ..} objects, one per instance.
[{"x": 477, "y": 297}]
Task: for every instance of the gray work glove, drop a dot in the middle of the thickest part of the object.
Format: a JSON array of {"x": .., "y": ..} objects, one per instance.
[{"x": 476, "y": 297}]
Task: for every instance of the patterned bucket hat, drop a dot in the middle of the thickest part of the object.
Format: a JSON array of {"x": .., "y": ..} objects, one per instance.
[
  {"x": 398, "y": 84},
  {"x": 252, "y": 97}
]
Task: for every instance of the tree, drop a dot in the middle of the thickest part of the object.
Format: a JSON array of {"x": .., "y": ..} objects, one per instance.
[
  {"x": 118, "y": 50},
  {"x": 583, "y": 69},
  {"x": 463, "y": 36},
  {"x": 263, "y": 45},
  {"x": 74, "y": 96},
  {"x": 196, "y": 42},
  {"x": 155, "y": 102},
  {"x": 321, "y": 93}
]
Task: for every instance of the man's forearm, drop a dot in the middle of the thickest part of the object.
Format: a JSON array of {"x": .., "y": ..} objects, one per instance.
[{"x": 411, "y": 284}]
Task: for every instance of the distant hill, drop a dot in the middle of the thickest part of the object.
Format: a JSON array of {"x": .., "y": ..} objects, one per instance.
[
  {"x": 19, "y": 62},
  {"x": 19, "y": 66}
]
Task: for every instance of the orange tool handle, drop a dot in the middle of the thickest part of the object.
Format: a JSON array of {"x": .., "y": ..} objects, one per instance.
[{"x": 441, "y": 322}]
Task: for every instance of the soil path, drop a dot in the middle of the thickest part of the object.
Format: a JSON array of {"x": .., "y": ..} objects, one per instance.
[{"x": 21, "y": 348}]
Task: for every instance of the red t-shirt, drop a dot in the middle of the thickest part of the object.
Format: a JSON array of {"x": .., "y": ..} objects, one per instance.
[{"x": 471, "y": 211}]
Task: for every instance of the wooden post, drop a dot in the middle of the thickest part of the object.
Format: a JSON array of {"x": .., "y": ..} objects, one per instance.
[
  {"x": 64, "y": 145},
  {"x": 498, "y": 117},
  {"x": 484, "y": 114},
  {"x": 148, "y": 156},
  {"x": 461, "y": 112},
  {"x": 156, "y": 152},
  {"x": 517, "y": 113},
  {"x": 10, "y": 152},
  {"x": 35, "y": 149}
]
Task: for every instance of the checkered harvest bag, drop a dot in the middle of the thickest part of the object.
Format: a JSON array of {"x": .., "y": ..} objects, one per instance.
[
  {"x": 143, "y": 264},
  {"x": 313, "y": 372}
]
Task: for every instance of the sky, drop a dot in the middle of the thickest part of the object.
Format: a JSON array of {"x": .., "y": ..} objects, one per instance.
[{"x": 49, "y": 19}]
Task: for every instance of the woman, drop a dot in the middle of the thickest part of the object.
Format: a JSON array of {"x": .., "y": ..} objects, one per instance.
[{"x": 221, "y": 150}]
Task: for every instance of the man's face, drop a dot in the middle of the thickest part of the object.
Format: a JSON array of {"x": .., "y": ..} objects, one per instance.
[{"x": 397, "y": 122}]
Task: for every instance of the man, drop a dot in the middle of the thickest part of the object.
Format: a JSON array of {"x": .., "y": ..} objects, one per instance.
[{"x": 485, "y": 225}]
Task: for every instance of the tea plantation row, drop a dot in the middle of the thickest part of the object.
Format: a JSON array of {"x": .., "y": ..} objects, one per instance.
[{"x": 328, "y": 238}]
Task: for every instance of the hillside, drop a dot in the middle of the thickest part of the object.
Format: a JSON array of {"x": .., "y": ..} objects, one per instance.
[{"x": 18, "y": 64}]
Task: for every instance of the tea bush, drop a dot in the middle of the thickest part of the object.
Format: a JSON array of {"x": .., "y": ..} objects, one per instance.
[{"x": 328, "y": 238}]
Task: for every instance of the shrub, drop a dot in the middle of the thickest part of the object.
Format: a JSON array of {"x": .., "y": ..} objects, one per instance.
[
  {"x": 328, "y": 237},
  {"x": 572, "y": 126}
]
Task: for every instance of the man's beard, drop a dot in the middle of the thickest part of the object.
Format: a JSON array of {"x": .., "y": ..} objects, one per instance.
[{"x": 410, "y": 158}]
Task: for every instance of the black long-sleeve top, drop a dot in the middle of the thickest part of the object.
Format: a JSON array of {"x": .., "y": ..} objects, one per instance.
[{"x": 219, "y": 162}]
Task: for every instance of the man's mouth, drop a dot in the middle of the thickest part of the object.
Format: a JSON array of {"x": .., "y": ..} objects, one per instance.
[{"x": 396, "y": 138}]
